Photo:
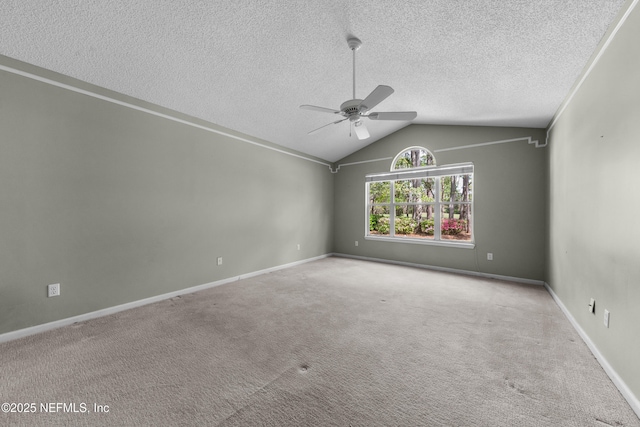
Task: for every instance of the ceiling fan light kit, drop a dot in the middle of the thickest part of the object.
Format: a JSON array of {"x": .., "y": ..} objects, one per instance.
[{"x": 356, "y": 109}]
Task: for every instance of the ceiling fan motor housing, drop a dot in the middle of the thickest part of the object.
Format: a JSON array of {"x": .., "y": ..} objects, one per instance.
[{"x": 351, "y": 107}]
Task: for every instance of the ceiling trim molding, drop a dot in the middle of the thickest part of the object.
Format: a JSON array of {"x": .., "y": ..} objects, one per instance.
[
  {"x": 152, "y": 112},
  {"x": 461, "y": 147},
  {"x": 504, "y": 141},
  {"x": 604, "y": 47},
  {"x": 359, "y": 163}
]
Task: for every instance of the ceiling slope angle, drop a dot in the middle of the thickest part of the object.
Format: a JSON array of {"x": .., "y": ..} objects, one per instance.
[{"x": 249, "y": 65}]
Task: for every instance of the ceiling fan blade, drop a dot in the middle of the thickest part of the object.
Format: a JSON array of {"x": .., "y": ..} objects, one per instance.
[
  {"x": 361, "y": 130},
  {"x": 378, "y": 95},
  {"x": 328, "y": 124},
  {"x": 397, "y": 115},
  {"x": 321, "y": 109}
]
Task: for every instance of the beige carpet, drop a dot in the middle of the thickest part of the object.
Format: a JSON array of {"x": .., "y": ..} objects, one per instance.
[{"x": 336, "y": 342}]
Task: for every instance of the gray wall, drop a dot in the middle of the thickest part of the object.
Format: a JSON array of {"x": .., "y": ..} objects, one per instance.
[
  {"x": 594, "y": 237},
  {"x": 509, "y": 199},
  {"x": 119, "y": 205}
]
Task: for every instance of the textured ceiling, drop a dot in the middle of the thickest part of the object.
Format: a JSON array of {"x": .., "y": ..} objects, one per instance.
[{"x": 248, "y": 65}]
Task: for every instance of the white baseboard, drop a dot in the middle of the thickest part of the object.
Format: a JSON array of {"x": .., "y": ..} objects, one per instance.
[
  {"x": 613, "y": 375},
  {"x": 13, "y": 335},
  {"x": 445, "y": 269}
]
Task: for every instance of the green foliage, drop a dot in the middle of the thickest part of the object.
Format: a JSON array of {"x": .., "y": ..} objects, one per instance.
[
  {"x": 406, "y": 161},
  {"x": 405, "y": 225},
  {"x": 374, "y": 220},
  {"x": 380, "y": 192},
  {"x": 427, "y": 226},
  {"x": 383, "y": 225},
  {"x": 459, "y": 193},
  {"x": 445, "y": 190},
  {"x": 414, "y": 191}
]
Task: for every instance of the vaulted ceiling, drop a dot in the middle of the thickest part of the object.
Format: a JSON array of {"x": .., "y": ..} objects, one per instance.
[{"x": 248, "y": 65}]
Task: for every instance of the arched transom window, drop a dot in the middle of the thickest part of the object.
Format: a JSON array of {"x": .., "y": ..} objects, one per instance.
[{"x": 413, "y": 157}]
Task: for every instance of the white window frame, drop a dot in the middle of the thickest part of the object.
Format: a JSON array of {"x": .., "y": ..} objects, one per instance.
[{"x": 435, "y": 172}]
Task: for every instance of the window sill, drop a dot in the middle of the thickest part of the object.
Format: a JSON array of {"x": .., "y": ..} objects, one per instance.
[{"x": 448, "y": 243}]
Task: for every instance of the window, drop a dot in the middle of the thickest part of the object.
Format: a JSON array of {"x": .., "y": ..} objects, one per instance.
[
  {"x": 413, "y": 157},
  {"x": 424, "y": 202}
]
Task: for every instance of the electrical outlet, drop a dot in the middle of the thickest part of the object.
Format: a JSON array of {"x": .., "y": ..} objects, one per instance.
[
  {"x": 356, "y": 243},
  {"x": 606, "y": 318},
  {"x": 592, "y": 306},
  {"x": 489, "y": 256},
  {"x": 219, "y": 260},
  {"x": 53, "y": 290}
]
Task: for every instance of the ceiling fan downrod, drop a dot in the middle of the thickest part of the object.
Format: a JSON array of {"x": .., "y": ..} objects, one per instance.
[{"x": 354, "y": 44}]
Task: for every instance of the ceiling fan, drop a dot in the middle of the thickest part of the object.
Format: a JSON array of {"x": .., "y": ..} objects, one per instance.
[{"x": 355, "y": 110}]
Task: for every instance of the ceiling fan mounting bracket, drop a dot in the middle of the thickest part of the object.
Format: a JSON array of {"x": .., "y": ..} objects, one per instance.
[{"x": 354, "y": 43}]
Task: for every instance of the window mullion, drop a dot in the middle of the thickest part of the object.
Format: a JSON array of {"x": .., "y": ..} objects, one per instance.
[
  {"x": 392, "y": 211},
  {"x": 367, "y": 209},
  {"x": 437, "y": 227}
]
